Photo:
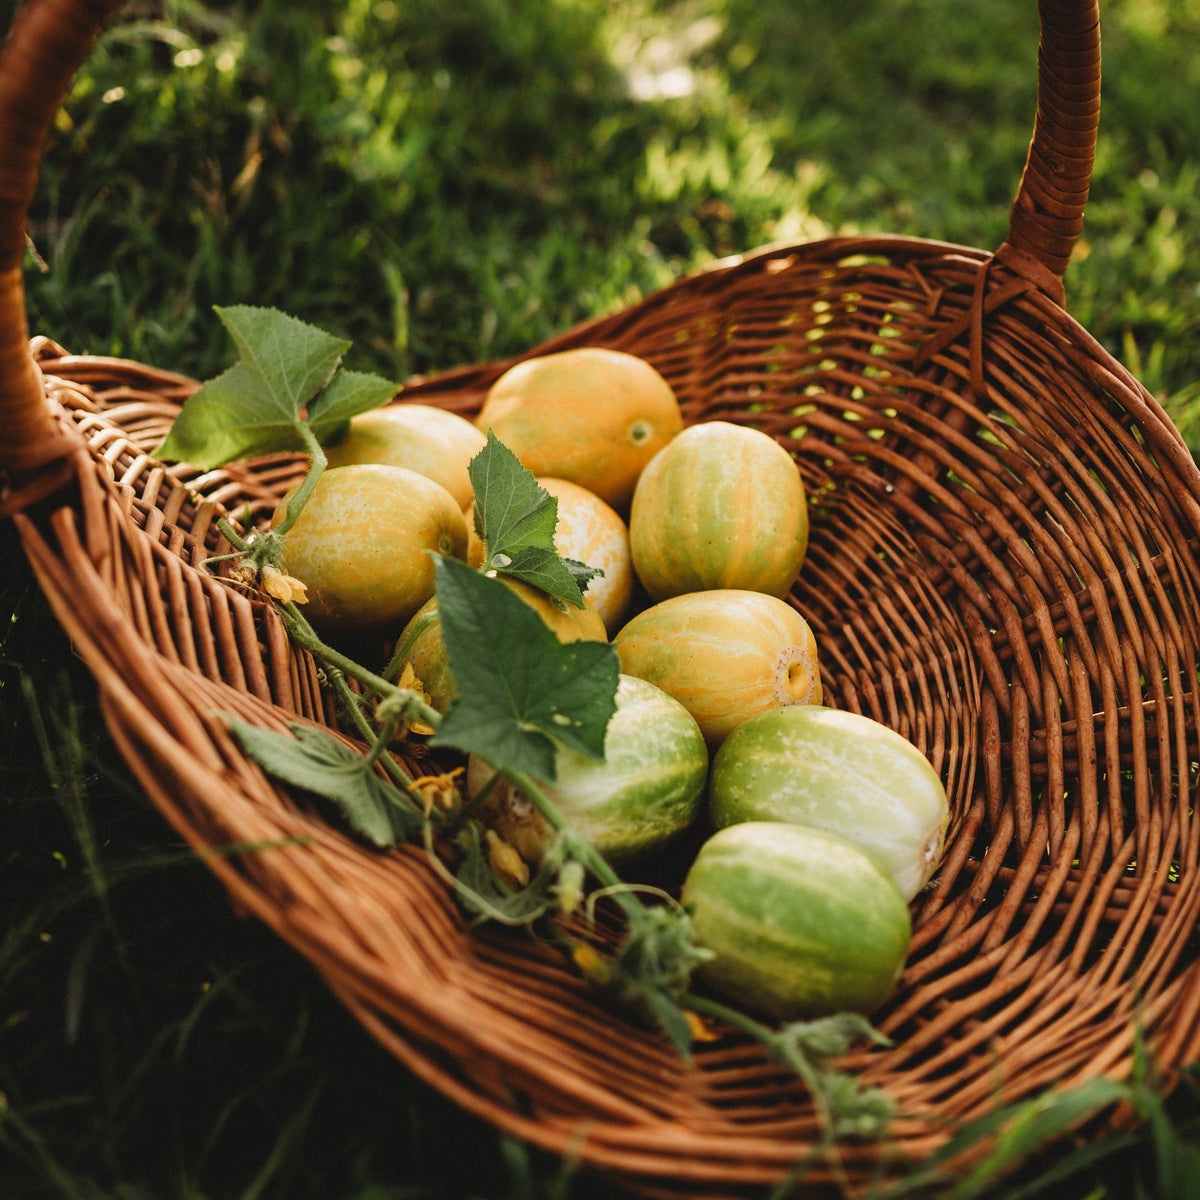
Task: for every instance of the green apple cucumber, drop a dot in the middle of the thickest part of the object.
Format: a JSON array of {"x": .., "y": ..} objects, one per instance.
[
  {"x": 837, "y": 771},
  {"x": 800, "y": 923},
  {"x": 647, "y": 791}
]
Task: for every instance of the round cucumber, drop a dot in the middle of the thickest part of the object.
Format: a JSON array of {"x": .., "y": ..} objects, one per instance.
[
  {"x": 800, "y": 923},
  {"x": 724, "y": 654},
  {"x": 837, "y": 771},
  {"x": 647, "y": 791}
]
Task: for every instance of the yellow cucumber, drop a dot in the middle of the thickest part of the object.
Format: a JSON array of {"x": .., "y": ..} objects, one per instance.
[{"x": 724, "y": 654}]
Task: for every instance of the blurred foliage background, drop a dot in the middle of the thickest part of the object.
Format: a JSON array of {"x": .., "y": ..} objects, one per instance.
[
  {"x": 446, "y": 183},
  {"x": 450, "y": 183}
]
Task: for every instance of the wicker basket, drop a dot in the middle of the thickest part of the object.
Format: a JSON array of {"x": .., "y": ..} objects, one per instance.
[{"x": 1003, "y": 567}]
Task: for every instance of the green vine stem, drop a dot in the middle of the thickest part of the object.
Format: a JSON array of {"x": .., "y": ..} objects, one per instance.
[
  {"x": 398, "y": 704},
  {"x": 263, "y": 547},
  {"x": 316, "y": 468},
  {"x": 403, "y": 704},
  {"x": 575, "y": 846},
  {"x": 241, "y": 546},
  {"x": 784, "y": 1047}
]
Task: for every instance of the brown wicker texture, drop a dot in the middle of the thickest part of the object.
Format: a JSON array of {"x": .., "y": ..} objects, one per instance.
[{"x": 1003, "y": 567}]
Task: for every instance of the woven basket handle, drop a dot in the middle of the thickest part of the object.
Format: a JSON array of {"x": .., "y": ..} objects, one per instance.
[
  {"x": 47, "y": 42},
  {"x": 49, "y": 39},
  {"x": 1047, "y": 214}
]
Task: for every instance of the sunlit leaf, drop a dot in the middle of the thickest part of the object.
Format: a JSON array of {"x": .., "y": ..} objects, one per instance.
[
  {"x": 349, "y": 393},
  {"x": 295, "y": 360},
  {"x": 515, "y": 517},
  {"x": 287, "y": 374},
  {"x": 233, "y": 416}
]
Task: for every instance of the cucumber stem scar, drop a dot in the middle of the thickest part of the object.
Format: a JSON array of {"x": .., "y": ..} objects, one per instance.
[{"x": 797, "y": 676}]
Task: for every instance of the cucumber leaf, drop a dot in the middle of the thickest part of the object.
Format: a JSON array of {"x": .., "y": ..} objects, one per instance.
[
  {"x": 824, "y": 1039},
  {"x": 315, "y": 761},
  {"x": 348, "y": 394},
  {"x": 515, "y": 518},
  {"x": 286, "y": 376},
  {"x": 522, "y": 692},
  {"x": 294, "y": 359},
  {"x": 232, "y": 416}
]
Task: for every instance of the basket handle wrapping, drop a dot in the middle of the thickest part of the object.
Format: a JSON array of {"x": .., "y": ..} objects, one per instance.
[
  {"x": 49, "y": 39},
  {"x": 1047, "y": 214}
]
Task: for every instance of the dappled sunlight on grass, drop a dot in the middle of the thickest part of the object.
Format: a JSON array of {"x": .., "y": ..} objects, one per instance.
[{"x": 446, "y": 184}]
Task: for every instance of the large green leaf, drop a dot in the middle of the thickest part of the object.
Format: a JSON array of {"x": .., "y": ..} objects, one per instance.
[
  {"x": 233, "y": 416},
  {"x": 522, "y": 692},
  {"x": 286, "y": 376},
  {"x": 294, "y": 359}
]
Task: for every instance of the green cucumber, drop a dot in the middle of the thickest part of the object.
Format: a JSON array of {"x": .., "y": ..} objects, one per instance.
[
  {"x": 800, "y": 923},
  {"x": 647, "y": 791},
  {"x": 837, "y": 771}
]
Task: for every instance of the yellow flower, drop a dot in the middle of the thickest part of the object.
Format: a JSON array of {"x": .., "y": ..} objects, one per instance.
[
  {"x": 281, "y": 587},
  {"x": 440, "y": 790},
  {"x": 591, "y": 963},
  {"x": 408, "y": 680},
  {"x": 505, "y": 860},
  {"x": 700, "y": 1030}
]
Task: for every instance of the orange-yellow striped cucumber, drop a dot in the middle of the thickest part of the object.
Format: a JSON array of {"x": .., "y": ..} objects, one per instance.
[
  {"x": 432, "y": 441},
  {"x": 724, "y": 654},
  {"x": 593, "y": 415},
  {"x": 720, "y": 506},
  {"x": 362, "y": 546}
]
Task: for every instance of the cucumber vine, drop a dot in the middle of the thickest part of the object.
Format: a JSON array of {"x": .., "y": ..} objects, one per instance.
[{"x": 523, "y": 693}]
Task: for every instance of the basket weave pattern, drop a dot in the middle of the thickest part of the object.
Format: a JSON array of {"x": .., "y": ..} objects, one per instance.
[{"x": 1003, "y": 567}]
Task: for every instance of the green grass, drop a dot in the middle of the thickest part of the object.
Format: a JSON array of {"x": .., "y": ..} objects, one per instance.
[
  {"x": 446, "y": 183},
  {"x": 346, "y": 165}
]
